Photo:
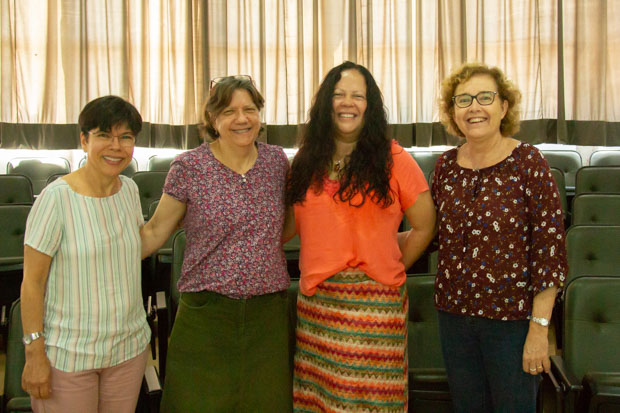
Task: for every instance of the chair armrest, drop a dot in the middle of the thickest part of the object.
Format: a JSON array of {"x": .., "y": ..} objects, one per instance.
[
  {"x": 19, "y": 404},
  {"x": 603, "y": 385},
  {"x": 151, "y": 380},
  {"x": 566, "y": 378},
  {"x": 151, "y": 389},
  {"x": 163, "y": 330}
]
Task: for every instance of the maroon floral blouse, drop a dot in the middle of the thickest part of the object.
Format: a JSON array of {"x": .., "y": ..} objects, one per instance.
[
  {"x": 501, "y": 235},
  {"x": 233, "y": 222}
]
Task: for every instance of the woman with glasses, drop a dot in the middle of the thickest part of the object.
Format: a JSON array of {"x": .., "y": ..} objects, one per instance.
[
  {"x": 349, "y": 187},
  {"x": 85, "y": 328},
  {"x": 229, "y": 344},
  {"x": 502, "y": 256}
]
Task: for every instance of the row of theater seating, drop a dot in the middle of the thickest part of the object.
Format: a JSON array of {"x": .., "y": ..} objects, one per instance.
[
  {"x": 592, "y": 255},
  {"x": 39, "y": 170},
  {"x": 42, "y": 171}
]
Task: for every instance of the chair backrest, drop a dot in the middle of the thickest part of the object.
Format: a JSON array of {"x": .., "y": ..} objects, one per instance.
[
  {"x": 38, "y": 169},
  {"x": 605, "y": 158},
  {"x": 15, "y": 189},
  {"x": 598, "y": 179},
  {"x": 14, "y": 395},
  {"x": 160, "y": 163},
  {"x": 150, "y": 185},
  {"x": 13, "y": 223},
  {"x": 560, "y": 182},
  {"x": 592, "y": 325},
  {"x": 568, "y": 162},
  {"x": 423, "y": 329},
  {"x": 131, "y": 169},
  {"x": 593, "y": 250},
  {"x": 178, "y": 252},
  {"x": 426, "y": 161},
  {"x": 596, "y": 209}
]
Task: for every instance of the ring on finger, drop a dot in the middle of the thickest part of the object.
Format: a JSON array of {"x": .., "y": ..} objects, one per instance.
[{"x": 533, "y": 369}]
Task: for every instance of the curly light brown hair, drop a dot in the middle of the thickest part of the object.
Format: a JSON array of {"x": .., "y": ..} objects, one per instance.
[{"x": 506, "y": 90}]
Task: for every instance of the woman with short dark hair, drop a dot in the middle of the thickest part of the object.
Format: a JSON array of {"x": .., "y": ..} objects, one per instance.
[
  {"x": 85, "y": 328},
  {"x": 229, "y": 344}
]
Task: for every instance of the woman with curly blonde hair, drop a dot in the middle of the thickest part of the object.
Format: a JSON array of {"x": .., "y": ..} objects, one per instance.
[{"x": 502, "y": 257}]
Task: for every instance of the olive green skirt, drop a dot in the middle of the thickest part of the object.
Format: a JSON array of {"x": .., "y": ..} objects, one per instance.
[{"x": 228, "y": 355}]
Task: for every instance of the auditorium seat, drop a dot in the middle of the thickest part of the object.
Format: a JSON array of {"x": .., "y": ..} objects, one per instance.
[
  {"x": 15, "y": 398},
  {"x": 568, "y": 162},
  {"x": 428, "y": 383},
  {"x": 604, "y": 179},
  {"x": 593, "y": 250},
  {"x": 426, "y": 160},
  {"x": 15, "y": 189},
  {"x": 605, "y": 158},
  {"x": 596, "y": 209},
  {"x": 589, "y": 368},
  {"x": 160, "y": 163},
  {"x": 38, "y": 169},
  {"x": 13, "y": 223},
  {"x": 150, "y": 185}
]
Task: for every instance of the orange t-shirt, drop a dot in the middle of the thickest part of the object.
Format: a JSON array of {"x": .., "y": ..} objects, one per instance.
[{"x": 335, "y": 235}]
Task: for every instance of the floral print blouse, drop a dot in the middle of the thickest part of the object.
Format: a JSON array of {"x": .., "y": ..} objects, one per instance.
[
  {"x": 233, "y": 222},
  {"x": 501, "y": 235}
]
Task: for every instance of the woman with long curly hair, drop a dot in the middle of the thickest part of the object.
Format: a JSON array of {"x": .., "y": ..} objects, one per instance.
[{"x": 349, "y": 188}]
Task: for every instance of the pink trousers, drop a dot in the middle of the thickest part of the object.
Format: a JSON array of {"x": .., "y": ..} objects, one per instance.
[{"x": 108, "y": 390}]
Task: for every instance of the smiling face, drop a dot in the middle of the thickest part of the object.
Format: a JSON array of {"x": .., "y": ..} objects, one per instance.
[
  {"x": 476, "y": 121},
  {"x": 349, "y": 105},
  {"x": 238, "y": 123},
  {"x": 108, "y": 156}
]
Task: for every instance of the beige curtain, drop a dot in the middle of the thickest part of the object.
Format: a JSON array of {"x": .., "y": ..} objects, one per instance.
[{"x": 160, "y": 54}]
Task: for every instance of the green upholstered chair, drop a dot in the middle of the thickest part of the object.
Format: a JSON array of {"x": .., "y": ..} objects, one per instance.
[
  {"x": 596, "y": 209},
  {"x": 594, "y": 179},
  {"x": 160, "y": 163},
  {"x": 589, "y": 368},
  {"x": 131, "y": 169},
  {"x": 605, "y": 158},
  {"x": 593, "y": 250},
  {"x": 38, "y": 169},
  {"x": 150, "y": 185},
  {"x": 428, "y": 383},
  {"x": 426, "y": 160},
  {"x": 568, "y": 162},
  {"x": 13, "y": 223},
  {"x": 15, "y": 398},
  {"x": 15, "y": 189}
]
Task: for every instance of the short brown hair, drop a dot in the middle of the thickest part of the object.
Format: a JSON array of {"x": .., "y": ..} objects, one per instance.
[
  {"x": 220, "y": 97},
  {"x": 506, "y": 90}
]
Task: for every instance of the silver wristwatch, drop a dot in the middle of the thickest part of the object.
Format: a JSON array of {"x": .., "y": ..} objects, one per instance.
[
  {"x": 541, "y": 320},
  {"x": 29, "y": 338}
]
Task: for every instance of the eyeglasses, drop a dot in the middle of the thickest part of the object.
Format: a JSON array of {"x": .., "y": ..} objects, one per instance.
[
  {"x": 217, "y": 80},
  {"x": 125, "y": 139},
  {"x": 465, "y": 100}
]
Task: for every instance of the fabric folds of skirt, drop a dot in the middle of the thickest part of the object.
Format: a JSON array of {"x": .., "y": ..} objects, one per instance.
[{"x": 351, "y": 353}]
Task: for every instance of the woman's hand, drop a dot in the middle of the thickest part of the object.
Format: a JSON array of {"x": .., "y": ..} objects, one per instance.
[
  {"x": 37, "y": 371},
  {"x": 536, "y": 350},
  {"x": 536, "y": 347}
]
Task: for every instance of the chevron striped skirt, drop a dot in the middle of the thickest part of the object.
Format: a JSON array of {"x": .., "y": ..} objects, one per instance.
[{"x": 351, "y": 353}]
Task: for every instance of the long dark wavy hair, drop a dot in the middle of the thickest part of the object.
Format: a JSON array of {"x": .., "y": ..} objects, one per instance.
[{"x": 368, "y": 169}]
